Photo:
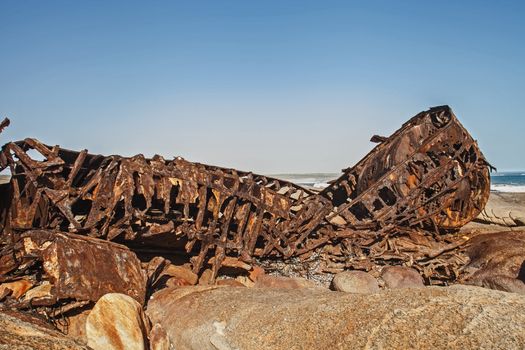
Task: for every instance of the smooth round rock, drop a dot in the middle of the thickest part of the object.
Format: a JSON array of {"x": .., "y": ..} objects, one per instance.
[
  {"x": 355, "y": 282},
  {"x": 397, "y": 277},
  {"x": 458, "y": 317},
  {"x": 267, "y": 281},
  {"x": 116, "y": 323}
]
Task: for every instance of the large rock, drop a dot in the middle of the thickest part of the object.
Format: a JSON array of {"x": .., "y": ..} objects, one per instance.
[
  {"x": 355, "y": 282},
  {"x": 116, "y": 323},
  {"x": 497, "y": 261},
  {"x": 22, "y": 332},
  {"x": 455, "y": 317}
]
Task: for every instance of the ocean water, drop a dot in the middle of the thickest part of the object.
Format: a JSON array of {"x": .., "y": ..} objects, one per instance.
[
  {"x": 317, "y": 180},
  {"x": 511, "y": 181}
]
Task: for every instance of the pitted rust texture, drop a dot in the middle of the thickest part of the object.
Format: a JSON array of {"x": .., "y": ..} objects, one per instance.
[
  {"x": 428, "y": 174},
  {"x": 404, "y": 201},
  {"x": 73, "y": 264},
  {"x": 201, "y": 209},
  {"x": 399, "y": 205},
  {"x": 55, "y": 274}
]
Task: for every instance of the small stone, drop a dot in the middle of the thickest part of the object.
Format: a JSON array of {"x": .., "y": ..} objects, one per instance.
[
  {"x": 177, "y": 282},
  {"x": 396, "y": 277},
  {"x": 116, "y": 323},
  {"x": 338, "y": 220},
  {"x": 205, "y": 278},
  {"x": 16, "y": 288},
  {"x": 158, "y": 339},
  {"x": 244, "y": 280},
  {"x": 256, "y": 272},
  {"x": 355, "y": 282},
  {"x": 233, "y": 262},
  {"x": 154, "y": 268},
  {"x": 267, "y": 281},
  {"x": 181, "y": 272},
  {"x": 229, "y": 282},
  {"x": 40, "y": 291}
]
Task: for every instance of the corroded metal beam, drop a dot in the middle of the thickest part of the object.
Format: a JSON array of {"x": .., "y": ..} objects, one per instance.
[
  {"x": 400, "y": 204},
  {"x": 428, "y": 174}
]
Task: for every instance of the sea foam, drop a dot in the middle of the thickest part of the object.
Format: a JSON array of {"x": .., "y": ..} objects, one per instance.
[{"x": 507, "y": 188}]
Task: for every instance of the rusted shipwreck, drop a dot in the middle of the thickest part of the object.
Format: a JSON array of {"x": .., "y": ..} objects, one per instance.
[{"x": 403, "y": 203}]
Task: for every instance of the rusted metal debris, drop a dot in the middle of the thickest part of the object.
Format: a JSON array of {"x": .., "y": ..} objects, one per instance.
[
  {"x": 65, "y": 271},
  {"x": 85, "y": 268},
  {"x": 401, "y": 204}
]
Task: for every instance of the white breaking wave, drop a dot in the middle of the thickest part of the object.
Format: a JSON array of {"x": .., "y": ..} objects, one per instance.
[
  {"x": 320, "y": 185},
  {"x": 507, "y": 188},
  {"x": 493, "y": 187},
  {"x": 320, "y": 181}
]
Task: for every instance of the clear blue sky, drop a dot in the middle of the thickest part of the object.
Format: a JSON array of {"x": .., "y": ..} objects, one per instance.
[{"x": 268, "y": 86}]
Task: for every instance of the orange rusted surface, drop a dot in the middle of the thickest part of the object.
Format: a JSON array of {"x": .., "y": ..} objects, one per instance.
[{"x": 401, "y": 204}]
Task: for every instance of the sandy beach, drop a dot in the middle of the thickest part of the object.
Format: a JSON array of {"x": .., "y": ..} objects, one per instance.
[{"x": 504, "y": 211}]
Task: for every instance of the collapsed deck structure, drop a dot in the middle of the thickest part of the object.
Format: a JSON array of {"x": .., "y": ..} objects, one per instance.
[{"x": 401, "y": 204}]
